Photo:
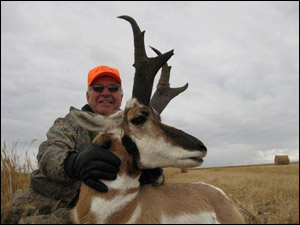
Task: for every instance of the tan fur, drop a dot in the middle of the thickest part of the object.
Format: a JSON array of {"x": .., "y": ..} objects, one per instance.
[
  {"x": 86, "y": 193},
  {"x": 170, "y": 199},
  {"x": 155, "y": 203},
  {"x": 118, "y": 149},
  {"x": 123, "y": 215},
  {"x": 83, "y": 209},
  {"x": 152, "y": 128},
  {"x": 176, "y": 199}
]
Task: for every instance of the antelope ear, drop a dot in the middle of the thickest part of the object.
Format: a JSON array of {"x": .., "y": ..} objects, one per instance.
[
  {"x": 90, "y": 121},
  {"x": 96, "y": 122}
]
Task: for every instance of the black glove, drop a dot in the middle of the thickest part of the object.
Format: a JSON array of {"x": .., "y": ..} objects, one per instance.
[
  {"x": 150, "y": 176},
  {"x": 93, "y": 163}
]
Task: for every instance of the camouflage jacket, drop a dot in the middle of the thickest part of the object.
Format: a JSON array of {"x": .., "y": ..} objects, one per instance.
[{"x": 63, "y": 137}]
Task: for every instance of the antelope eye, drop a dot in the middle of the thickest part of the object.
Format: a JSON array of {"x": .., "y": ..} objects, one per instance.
[{"x": 139, "y": 120}]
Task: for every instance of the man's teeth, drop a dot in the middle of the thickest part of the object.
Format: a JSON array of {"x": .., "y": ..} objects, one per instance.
[{"x": 106, "y": 102}]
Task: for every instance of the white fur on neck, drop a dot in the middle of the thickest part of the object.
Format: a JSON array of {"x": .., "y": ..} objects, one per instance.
[
  {"x": 122, "y": 182},
  {"x": 103, "y": 208}
]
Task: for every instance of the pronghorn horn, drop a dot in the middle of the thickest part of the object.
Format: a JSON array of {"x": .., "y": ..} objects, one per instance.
[
  {"x": 164, "y": 94},
  {"x": 145, "y": 68}
]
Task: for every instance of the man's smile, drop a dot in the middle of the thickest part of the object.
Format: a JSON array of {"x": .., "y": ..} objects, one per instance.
[{"x": 106, "y": 102}]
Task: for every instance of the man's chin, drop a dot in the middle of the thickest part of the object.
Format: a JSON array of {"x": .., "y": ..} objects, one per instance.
[{"x": 105, "y": 110}]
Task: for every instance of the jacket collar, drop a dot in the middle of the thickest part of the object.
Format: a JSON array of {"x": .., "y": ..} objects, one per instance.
[{"x": 87, "y": 108}]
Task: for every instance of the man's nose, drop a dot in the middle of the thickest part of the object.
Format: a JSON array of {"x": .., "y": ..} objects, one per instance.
[{"x": 105, "y": 91}]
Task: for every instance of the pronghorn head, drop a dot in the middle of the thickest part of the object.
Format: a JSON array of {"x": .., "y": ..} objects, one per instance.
[
  {"x": 151, "y": 143},
  {"x": 156, "y": 144}
]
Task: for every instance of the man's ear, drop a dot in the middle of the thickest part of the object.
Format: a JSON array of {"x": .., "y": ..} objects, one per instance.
[{"x": 87, "y": 96}]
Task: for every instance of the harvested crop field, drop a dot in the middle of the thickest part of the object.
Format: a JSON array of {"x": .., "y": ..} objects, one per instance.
[{"x": 270, "y": 192}]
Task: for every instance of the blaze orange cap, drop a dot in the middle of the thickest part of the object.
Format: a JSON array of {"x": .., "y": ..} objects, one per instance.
[{"x": 100, "y": 71}]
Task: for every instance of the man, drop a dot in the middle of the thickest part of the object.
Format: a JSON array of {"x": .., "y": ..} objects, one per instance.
[{"x": 68, "y": 157}]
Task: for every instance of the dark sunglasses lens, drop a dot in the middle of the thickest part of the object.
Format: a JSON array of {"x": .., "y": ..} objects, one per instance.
[
  {"x": 113, "y": 88},
  {"x": 98, "y": 88}
]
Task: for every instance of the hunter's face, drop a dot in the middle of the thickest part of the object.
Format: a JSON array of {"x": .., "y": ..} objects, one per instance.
[{"x": 105, "y": 95}]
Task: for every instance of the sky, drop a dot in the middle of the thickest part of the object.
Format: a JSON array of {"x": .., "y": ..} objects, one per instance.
[{"x": 241, "y": 60}]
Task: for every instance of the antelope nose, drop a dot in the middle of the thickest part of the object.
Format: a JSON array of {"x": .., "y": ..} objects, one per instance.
[
  {"x": 201, "y": 147},
  {"x": 182, "y": 139}
]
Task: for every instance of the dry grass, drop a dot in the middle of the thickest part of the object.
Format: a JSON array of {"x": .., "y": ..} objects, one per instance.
[
  {"x": 14, "y": 175},
  {"x": 269, "y": 192}
]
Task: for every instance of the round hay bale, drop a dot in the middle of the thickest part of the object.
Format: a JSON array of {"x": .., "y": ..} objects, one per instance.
[{"x": 281, "y": 160}]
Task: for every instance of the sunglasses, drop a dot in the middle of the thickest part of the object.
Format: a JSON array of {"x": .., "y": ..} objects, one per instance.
[{"x": 111, "y": 87}]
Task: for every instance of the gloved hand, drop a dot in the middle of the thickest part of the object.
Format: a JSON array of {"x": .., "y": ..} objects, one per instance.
[
  {"x": 93, "y": 163},
  {"x": 150, "y": 176}
]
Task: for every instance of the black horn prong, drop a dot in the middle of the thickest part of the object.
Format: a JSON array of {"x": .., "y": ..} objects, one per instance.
[
  {"x": 164, "y": 94},
  {"x": 145, "y": 68}
]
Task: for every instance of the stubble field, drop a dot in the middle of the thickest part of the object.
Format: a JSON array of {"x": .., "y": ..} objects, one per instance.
[{"x": 269, "y": 192}]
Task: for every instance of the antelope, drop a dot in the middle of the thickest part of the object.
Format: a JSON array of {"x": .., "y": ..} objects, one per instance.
[{"x": 141, "y": 141}]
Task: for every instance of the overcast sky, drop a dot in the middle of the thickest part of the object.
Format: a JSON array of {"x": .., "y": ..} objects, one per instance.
[{"x": 241, "y": 60}]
